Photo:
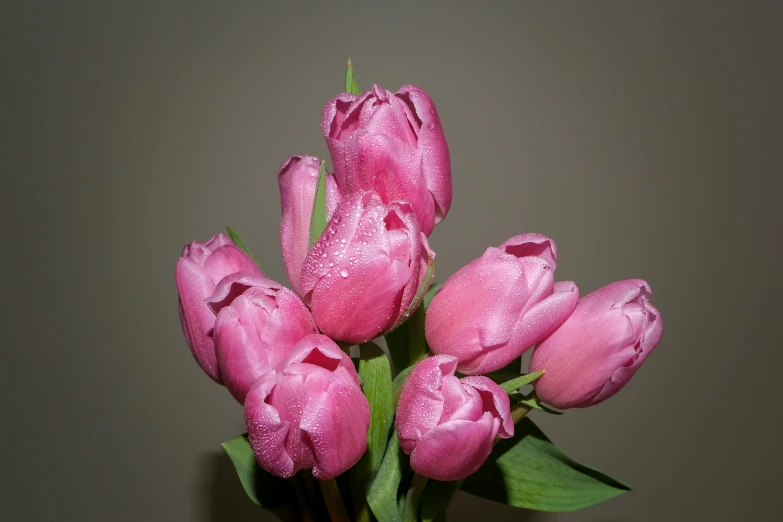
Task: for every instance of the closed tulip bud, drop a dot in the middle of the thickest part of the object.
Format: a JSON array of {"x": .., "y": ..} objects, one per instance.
[
  {"x": 392, "y": 143},
  {"x": 298, "y": 179},
  {"x": 309, "y": 414},
  {"x": 599, "y": 347},
  {"x": 501, "y": 304},
  {"x": 448, "y": 425},
  {"x": 258, "y": 324},
  {"x": 363, "y": 272},
  {"x": 199, "y": 270}
]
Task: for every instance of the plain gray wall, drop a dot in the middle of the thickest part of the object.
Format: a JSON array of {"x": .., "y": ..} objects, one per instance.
[{"x": 645, "y": 137}]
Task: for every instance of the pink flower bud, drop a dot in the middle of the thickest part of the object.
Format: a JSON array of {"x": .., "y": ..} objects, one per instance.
[
  {"x": 258, "y": 324},
  {"x": 599, "y": 347},
  {"x": 298, "y": 179},
  {"x": 393, "y": 144},
  {"x": 199, "y": 270},
  {"x": 448, "y": 425},
  {"x": 309, "y": 414},
  {"x": 363, "y": 272},
  {"x": 500, "y": 305}
]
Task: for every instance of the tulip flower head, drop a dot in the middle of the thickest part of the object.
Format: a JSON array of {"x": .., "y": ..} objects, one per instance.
[
  {"x": 363, "y": 272},
  {"x": 599, "y": 347},
  {"x": 448, "y": 425},
  {"x": 391, "y": 143},
  {"x": 311, "y": 413},
  {"x": 258, "y": 323},
  {"x": 200, "y": 268},
  {"x": 498, "y": 306}
]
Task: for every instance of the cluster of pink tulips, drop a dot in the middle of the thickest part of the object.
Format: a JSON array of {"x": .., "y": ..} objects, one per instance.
[{"x": 284, "y": 352}]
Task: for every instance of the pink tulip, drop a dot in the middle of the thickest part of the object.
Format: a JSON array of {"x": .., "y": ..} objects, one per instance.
[
  {"x": 393, "y": 144},
  {"x": 258, "y": 324},
  {"x": 298, "y": 179},
  {"x": 363, "y": 272},
  {"x": 500, "y": 305},
  {"x": 600, "y": 347},
  {"x": 448, "y": 425},
  {"x": 199, "y": 270},
  {"x": 309, "y": 414}
]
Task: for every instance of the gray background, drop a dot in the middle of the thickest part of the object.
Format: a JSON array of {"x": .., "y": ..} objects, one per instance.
[{"x": 644, "y": 137}]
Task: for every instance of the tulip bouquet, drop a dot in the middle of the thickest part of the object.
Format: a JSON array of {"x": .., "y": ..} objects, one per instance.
[{"x": 340, "y": 428}]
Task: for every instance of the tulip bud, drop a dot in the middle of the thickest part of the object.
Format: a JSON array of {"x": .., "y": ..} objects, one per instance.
[
  {"x": 258, "y": 323},
  {"x": 448, "y": 425},
  {"x": 298, "y": 180},
  {"x": 199, "y": 270},
  {"x": 363, "y": 272},
  {"x": 599, "y": 347},
  {"x": 309, "y": 414},
  {"x": 499, "y": 305},
  {"x": 392, "y": 144}
]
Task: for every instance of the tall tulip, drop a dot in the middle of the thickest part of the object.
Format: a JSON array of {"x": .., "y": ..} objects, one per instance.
[
  {"x": 363, "y": 272},
  {"x": 499, "y": 305},
  {"x": 392, "y": 143},
  {"x": 298, "y": 179},
  {"x": 199, "y": 270},
  {"x": 599, "y": 347},
  {"x": 258, "y": 324},
  {"x": 309, "y": 414},
  {"x": 448, "y": 425}
]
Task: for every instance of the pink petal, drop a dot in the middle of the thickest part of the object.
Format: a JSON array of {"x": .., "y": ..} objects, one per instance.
[
  {"x": 336, "y": 422},
  {"x": 421, "y": 403},
  {"x": 495, "y": 401},
  {"x": 265, "y": 431},
  {"x": 431, "y": 142},
  {"x": 456, "y": 449}
]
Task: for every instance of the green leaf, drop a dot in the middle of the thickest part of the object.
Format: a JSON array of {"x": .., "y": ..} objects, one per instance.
[
  {"x": 318, "y": 218},
  {"x": 351, "y": 85},
  {"x": 382, "y": 496},
  {"x": 515, "y": 384},
  {"x": 238, "y": 242},
  {"x": 375, "y": 373},
  {"x": 437, "y": 497},
  {"x": 532, "y": 401},
  {"x": 398, "y": 382},
  {"x": 528, "y": 471},
  {"x": 263, "y": 488}
]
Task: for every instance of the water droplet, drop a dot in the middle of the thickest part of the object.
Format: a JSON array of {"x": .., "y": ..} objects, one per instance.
[{"x": 344, "y": 272}]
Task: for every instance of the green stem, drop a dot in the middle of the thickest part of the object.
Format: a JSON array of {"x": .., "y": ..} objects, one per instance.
[
  {"x": 334, "y": 501},
  {"x": 413, "y": 498}
]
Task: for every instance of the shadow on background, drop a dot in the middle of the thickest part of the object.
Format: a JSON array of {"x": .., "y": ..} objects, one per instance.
[{"x": 221, "y": 494}]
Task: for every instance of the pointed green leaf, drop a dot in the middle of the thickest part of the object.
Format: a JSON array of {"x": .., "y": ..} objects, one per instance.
[
  {"x": 528, "y": 471},
  {"x": 398, "y": 382},
  {"x": 532, "y": 401},
  {"x": 382, "y": 496},
  {"x": 318, "y": 218},
  {"x": 515, "y": 384},
  {"x": 238, "y": 242},
  {"x": 351, "y": 85},
  {"x": 263, "y": 488},
  {"x": 375, "y": 373}
]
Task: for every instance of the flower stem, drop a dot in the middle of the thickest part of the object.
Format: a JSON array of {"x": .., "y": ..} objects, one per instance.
[
  {"x": 413, "y": 498},
  {"x": 334, "y": 501},
  {"x": 519, "y": 411}
]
